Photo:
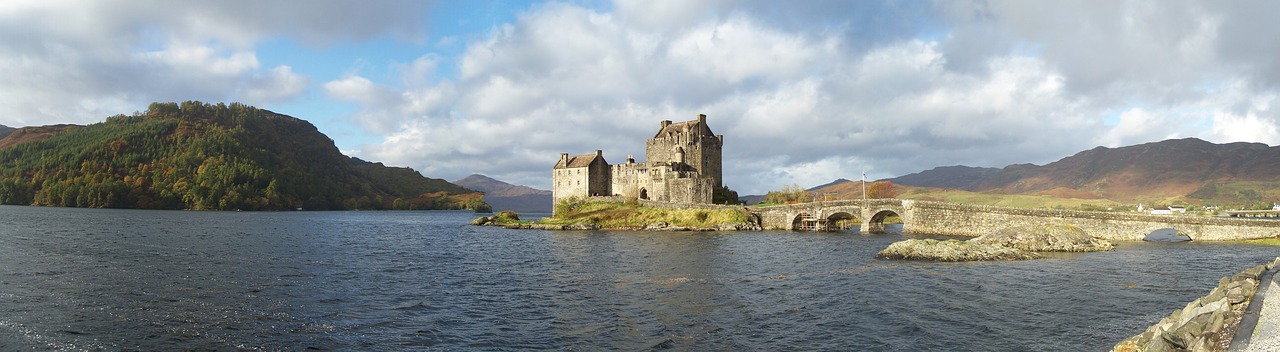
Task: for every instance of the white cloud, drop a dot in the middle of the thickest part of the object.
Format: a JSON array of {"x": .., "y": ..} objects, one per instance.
[
  {"x": 78, "y": 62},
  {"x": 279, "y": 84},
  {"x": 803, "y": 91},
  {"x": 1245, "y": 128},
  {"x": 566, "y": 79}
]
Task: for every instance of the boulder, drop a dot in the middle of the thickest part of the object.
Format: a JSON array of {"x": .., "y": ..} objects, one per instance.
[
  {"x": 951, "y": 251},
  {"x": 1052, "y": 238},
  {"x": 656, "y": 226},
  {"x": 737, "y": 227},
  {"x": 582, "y": 226}
]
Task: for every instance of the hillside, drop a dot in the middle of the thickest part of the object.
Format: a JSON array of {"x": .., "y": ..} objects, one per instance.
[
  {"x": 1182, "y": 171},
  {"x": 1168, "y": 171},
  {"x": 202, "y": 156},
  {"x": 505, "y": 196},
  {"x": 5, "y": 131},
  {"x": 954, "y": 177}
]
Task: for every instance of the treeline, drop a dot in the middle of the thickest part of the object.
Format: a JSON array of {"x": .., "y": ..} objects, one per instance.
[{"x": 202, "y": 156}]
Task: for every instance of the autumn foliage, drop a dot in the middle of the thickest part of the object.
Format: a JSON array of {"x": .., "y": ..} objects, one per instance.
[
  {"x": 202, "y": 156},
  {"x": 881, "y": 189}
]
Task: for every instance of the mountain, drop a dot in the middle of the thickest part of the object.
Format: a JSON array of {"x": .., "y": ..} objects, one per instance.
[
  {"x": 201, "y": 156},
  {"x": 1181, "y": 171},
  {"x": 955, "y": 177},
  {"x": 505, "y": 196},
  {"x": 1189, "y": 167},
  {"x": 6, "y": 130}
]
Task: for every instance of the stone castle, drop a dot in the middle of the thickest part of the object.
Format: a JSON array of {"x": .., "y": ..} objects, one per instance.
[{"x": 682, "y": 166}]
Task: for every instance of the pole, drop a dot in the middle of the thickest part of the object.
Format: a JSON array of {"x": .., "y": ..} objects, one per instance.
[{"x": 864, "y": 188}]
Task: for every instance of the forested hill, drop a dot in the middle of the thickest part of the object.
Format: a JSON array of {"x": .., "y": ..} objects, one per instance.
[{"x": 202, "y": 156}]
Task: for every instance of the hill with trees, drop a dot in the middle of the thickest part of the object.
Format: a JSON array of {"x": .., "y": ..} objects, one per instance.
[{"x": 202, "y": 156}]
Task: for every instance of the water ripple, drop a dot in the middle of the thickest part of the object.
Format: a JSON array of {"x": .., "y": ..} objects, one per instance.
[{"x": 83, "y": 279}]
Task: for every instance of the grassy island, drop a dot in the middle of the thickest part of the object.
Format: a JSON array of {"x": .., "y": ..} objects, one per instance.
[{"x": 629, "y": 214}]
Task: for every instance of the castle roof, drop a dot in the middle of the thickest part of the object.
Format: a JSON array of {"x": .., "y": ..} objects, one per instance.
[
  {"x": 695, "y": 127},
  {"x": 583, "y": 160}
]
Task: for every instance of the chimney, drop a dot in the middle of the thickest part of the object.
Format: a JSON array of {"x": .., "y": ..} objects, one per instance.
[
  {"x": 630, "y": 160},
  {"x": 702, "y": 119},
  {"x": 599, "y": 152},
  {"x": 665, "y": 123},
  {"x": 564, "y": 158}
]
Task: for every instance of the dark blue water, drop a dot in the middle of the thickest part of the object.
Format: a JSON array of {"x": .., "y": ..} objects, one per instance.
[{"x": 85, "y": 279}]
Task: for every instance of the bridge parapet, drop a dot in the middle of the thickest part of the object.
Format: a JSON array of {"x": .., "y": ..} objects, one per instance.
[{"x": 975, "y": 220}]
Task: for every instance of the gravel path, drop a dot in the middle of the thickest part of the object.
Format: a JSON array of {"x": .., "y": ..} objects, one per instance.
[{"x": 1266, "y": 335}]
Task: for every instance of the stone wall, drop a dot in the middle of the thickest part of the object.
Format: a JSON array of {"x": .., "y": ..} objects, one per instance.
[
  {"x": 1206, "y": 324},
  {"x": 976, "y": 220}
]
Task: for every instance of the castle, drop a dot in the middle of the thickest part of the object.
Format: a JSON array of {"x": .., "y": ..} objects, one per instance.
[{"x": 682, "y": 166}]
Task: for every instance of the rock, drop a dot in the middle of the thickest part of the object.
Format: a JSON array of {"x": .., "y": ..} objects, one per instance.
[
  {"x": 1053, "y": 238},
  {"x": 737, "y": 227},
  {"x": 1235, "y": 295},
  {"x": 480, "y": 221},
  {"x": 655, "y": 226},
  {"x": 582, "y": 226},
  {"x": 951, "y": 251}
]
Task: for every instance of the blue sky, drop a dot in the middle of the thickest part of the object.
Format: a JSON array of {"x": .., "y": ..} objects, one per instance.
[{"x": 804, "y": 92}]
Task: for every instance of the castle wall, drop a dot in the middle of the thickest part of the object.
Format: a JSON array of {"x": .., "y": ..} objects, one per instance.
[
  {"x": 684, "y": 165},
  {"x": 592, "y": 180}
]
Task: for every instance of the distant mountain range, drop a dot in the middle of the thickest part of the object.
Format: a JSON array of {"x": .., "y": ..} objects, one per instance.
[
  {"x": 1173, "y": 171},
  {"x": 194, "y": 155},
  {"x": 505, "y": 196}
]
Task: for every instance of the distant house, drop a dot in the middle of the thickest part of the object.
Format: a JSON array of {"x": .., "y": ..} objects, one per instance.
[
  {"x": 1275, "y": 206},
  {"x": 1162, "y": 211},
  {"x": 1179, "y": 210}
]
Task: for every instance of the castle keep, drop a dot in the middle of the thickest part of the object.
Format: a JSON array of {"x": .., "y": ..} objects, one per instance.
[{"x": 682, "y": 166}]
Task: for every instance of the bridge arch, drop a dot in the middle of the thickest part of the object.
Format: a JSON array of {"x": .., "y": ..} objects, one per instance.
[
  {"x": 875, "y": 223},
  {"x": 803, "y": 222},
  {"x": 1167, "y": 234},
  {"x": 843, "y": 220}
]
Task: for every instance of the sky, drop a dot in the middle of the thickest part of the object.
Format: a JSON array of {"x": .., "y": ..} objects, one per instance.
[{"x": 804, "y": 92}]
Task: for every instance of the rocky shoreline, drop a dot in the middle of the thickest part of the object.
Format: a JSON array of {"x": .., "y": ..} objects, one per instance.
[
  {"x": 1206, "y": 324},
  {"x": 510, "y": 220},
  {"x": 1014, "y": 243}
]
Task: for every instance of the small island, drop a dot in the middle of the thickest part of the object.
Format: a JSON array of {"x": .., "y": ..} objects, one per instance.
[
  {"x": 616, "y": 213},
  {"x": 1013, "y": 243}
]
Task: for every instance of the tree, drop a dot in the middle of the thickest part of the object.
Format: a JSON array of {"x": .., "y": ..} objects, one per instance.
[
  {"x": 880, "y": 189},
  {"x": 788, "y": 194},
  {"x": 724, "y": 195}
]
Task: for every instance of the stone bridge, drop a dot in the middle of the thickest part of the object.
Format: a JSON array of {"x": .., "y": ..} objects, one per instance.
[{"x": 952, "y": 219}]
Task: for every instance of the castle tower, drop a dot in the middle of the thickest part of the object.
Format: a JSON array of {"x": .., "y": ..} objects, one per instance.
[{"x": 690, "y": 142}]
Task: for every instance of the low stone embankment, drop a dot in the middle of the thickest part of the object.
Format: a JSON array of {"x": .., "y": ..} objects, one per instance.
[
  {"x": 1206, "y": 324},
  {"x": 1014, "y": 243}
]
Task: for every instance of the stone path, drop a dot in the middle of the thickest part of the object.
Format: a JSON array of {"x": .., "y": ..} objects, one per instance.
[{"x": 1266, "y": 335}]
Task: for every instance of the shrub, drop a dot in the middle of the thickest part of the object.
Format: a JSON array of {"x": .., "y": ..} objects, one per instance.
[{"x": 788, "y": 194}]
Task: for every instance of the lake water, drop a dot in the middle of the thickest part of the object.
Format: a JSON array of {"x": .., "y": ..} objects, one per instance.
[{"x": 90, "y": 279}]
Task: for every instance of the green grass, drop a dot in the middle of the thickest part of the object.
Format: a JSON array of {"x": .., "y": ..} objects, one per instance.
[
  {"x": 1265, "y": 241},
  {"x": 1010, "y": 200},
  {"x": 632, "y": 215}
]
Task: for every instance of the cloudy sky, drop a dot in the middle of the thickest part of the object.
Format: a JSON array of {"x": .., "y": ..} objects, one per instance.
[{"x": 805, "y": 92}]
